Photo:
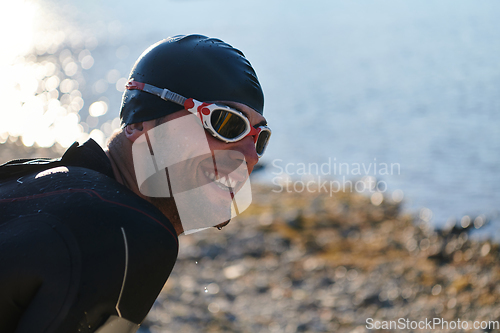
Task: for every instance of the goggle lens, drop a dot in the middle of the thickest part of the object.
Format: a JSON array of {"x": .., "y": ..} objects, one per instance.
[
  {"x": 262, "y": 140},
  {"x": 227, "y": 124}
]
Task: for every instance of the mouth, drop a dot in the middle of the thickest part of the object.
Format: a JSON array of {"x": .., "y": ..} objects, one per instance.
[
  {"x": 226, "y": 173},
  {"x": 223, "y": 182}
]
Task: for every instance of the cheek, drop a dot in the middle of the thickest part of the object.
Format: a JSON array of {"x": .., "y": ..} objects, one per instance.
[{"x": 215, "y": 144}]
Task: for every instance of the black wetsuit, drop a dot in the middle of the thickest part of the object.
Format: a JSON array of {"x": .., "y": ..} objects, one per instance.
[{"x": 79, "y": 252}]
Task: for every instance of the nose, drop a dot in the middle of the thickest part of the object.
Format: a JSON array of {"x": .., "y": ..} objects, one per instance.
[{"x": 246, "y": 147}]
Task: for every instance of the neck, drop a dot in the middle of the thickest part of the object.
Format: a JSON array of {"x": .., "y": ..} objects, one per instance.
[{"x": 122, "y": 164}]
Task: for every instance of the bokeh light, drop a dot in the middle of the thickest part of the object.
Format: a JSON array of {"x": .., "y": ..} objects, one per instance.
[
  {"x": 98, "y": 109},
  {"x": 45, "y": 61}
]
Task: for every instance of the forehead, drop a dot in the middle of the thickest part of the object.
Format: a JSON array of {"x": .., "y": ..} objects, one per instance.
[{"x": 253, "y": 116}]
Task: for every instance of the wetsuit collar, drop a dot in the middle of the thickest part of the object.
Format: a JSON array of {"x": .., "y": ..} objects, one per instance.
[{"x": 90, "y": 155}]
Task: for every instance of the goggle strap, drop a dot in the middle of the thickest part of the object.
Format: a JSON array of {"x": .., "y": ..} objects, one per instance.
[
  {"x": 171, "y": 96},
  {"x": 164, "y": 94}
]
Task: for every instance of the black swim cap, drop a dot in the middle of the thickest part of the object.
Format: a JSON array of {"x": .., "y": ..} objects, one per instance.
[{"x": 194, "y": 66}]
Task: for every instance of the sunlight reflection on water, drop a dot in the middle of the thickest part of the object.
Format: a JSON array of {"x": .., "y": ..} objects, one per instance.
[{"x": 47, "y": 77}]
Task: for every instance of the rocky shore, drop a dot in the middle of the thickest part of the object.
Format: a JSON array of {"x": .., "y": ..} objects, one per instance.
[{"x": 299, "y": 262}]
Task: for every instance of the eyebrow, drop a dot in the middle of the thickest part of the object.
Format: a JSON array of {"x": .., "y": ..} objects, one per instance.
[{"x": 262, "y": 123}]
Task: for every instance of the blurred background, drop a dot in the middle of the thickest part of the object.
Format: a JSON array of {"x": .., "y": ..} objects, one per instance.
[{"x": 415, "y": 84}]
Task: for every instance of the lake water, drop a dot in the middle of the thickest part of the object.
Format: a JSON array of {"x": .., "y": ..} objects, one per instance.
[{"x": 412, "y": 84}]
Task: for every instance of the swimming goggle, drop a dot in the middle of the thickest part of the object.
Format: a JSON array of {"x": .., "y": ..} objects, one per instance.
[{"x": 223, "y": 122}]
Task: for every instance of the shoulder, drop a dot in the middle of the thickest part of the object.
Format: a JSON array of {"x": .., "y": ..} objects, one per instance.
[{"x": 81, "y": 195}]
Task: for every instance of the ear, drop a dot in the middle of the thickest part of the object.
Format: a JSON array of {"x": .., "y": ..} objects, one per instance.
[{"x": 133, "y": 131}]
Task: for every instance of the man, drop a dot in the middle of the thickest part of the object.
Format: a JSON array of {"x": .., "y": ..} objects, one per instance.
[{"x": 88, "y": 241}]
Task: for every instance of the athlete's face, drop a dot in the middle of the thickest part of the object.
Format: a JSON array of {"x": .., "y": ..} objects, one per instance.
[{"x": 229, "y": 174}]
